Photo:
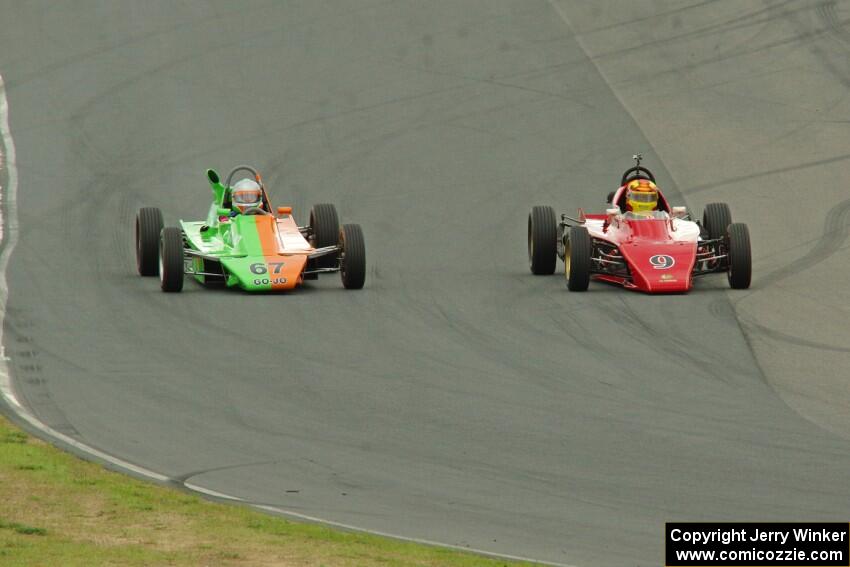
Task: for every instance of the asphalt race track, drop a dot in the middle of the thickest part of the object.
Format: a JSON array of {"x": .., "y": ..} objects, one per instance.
[{"x": 457, "y": 398}]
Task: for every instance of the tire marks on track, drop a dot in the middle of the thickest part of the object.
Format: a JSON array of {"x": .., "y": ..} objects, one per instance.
[{"x": 835, "y": 232}]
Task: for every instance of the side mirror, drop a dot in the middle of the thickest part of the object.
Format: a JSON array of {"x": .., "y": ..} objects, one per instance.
[
  {"x": 612, "y": 212},
  {"x": 284, "y": 211},
  {"x": 679, "y": 212},
  {"x": 212, "y": 176}
]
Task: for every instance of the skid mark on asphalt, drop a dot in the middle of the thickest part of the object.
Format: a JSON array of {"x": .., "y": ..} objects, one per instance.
[
  {"x": 184, "y": 478},
  {"x": 759, "y": 329},
  {"x": 831, "y": 27},
  {"x": 767, "y": 173},
  {"x": 837, "y": 29},
  {"x": 493, "y": 82},
  {"x": 734, "y": 24},
  {"x": 130, "y": 41},
  {"x": 804, "y": 37},
  {"x": 669, "y": 13},
  {"x": 835, "y": 232}
]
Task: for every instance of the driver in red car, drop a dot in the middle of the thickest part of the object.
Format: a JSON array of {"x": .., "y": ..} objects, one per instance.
[
  {"x": 641, "y": 196},
  {"x": 246, "y": 194}
]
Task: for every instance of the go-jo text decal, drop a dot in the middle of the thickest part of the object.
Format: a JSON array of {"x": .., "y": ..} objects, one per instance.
[{"x": 662, "y": 261}]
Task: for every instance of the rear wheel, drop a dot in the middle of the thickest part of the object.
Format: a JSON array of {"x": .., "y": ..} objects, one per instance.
[
  {"x": 171, "y": 259},
  {"x": 542, "y": 240},
  {"x": 716, "y": 218},
  {"x": 577, "y": 259},
  {"x": 740, "y": 256},
  {"x": 352, "y": 264},
  {"x": 148, "y": 227},
  {"x": 324, "y": 228}
]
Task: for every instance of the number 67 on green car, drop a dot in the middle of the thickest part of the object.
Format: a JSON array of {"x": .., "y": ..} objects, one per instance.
[{"x": 243, "y": 243}]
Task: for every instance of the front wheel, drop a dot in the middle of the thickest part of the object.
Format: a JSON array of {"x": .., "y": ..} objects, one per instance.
[
  {"x": 740, "y": 256},
  {"x": 542, "y": 240},
  {"x": 716, "y": 217},
  {"x": 577, "y": 259},
  {"x": 148, "y": 227},
  {"x": 171, "y": 256},
  {"x": 352, "y": 263},
  {"x": 324, "y": 231}
]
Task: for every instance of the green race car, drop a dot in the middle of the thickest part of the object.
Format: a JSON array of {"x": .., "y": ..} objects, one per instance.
[{"x": 242, "y": 243}]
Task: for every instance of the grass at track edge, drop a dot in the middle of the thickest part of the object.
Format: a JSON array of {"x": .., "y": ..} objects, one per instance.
[{"x": 57, "y": 509}]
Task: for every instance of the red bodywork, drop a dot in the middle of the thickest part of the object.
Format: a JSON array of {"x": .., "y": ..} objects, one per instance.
[{"x": 660, "y": 253}]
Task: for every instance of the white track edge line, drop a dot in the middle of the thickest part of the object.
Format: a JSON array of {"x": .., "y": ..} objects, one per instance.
[
  {"x": 9, "y": 224},
  {"x": 427, "y": 542}
]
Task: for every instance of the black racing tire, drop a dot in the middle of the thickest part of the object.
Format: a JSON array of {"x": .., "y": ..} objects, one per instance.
[
  {"x": 324, "y": 229},
  {"x": 716, "y": 217},
  {"x": 542, "y": 240},
  {"x": 148, "y": 226},
  {"x": 171, "y": 259},
  {"x": 577, "y": 259},
  {"x": 740, "y": 256},
  {"x": 352, "y": 263}
]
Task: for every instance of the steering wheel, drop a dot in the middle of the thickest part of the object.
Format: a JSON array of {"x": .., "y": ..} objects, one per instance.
[
  {"x": 637, "y": 172},
  {"x": 256, "y": 211}
]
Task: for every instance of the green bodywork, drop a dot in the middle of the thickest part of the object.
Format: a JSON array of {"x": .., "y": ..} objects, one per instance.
[{"x": 232, "y": 247}]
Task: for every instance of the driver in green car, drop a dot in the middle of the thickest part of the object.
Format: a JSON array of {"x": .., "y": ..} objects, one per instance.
[{"x": 246, "y": 194}]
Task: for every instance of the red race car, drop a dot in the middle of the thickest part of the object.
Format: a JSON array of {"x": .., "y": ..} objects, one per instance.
[{"x": 640, "y": 242}]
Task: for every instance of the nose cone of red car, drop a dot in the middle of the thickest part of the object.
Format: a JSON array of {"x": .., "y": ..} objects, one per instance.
[{"x": 660, "y": 267}]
